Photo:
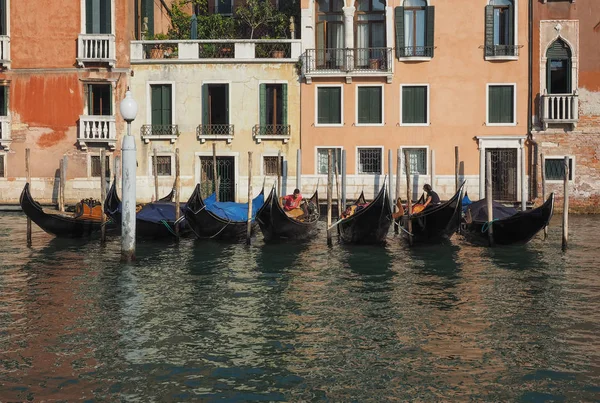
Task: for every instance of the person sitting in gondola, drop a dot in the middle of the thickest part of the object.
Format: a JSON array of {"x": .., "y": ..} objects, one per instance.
[
  {"x": 292, "y": 204},
  {"x": 432, "y": 197}
]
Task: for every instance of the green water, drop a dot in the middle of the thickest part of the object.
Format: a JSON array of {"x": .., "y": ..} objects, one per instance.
[{"x": 207, "y": 321}]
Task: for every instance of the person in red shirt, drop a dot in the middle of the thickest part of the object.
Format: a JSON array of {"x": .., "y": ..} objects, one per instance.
[{"x": 291, "y": 202}]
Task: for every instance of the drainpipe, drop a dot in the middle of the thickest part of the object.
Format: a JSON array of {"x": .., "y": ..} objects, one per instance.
[{"x": 533, "y": 145}]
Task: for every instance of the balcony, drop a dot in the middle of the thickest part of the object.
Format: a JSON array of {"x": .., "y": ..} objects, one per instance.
[
  {"x": 95, "y": 49},
  {"x": 5, "y": 51},
  {"x": 332, "y": 62},
  {"x": 5, "y": 138},
  {"x": 215, "y": 132},
  {"x": 560, "y": 109},
  {"x": 159, "y": 132},
  {"x": 415, "y": 53},
  {"x": 216, "y": 51},
  {"x": 501, "y": 52},
  {"x": 271, "y": 132},
  {"x": 97, "y": 129}
]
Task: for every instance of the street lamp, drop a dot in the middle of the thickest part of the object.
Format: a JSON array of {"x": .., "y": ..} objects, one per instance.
[{"x": 128, "y": 108}]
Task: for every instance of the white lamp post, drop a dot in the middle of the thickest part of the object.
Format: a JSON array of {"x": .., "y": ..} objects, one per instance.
[{"x": 128, "y": 108}]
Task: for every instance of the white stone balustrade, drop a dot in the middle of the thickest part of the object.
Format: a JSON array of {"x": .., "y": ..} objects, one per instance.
[
  {"x": 96, "y": 48},
  {"x": 5, "y": 138},
  {"x": 560, "y": 109},
  {"x": 97, "y": 129},
  {"x": 5, "y": 50}
]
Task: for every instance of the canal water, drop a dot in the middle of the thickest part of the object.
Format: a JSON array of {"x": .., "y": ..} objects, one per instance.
[{"x": 205, "y": 321}]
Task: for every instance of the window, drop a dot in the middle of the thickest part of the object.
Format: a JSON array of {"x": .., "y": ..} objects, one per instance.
[
  {"x": 95, "y": 166},
  {"x": 99, "y": 99},
  {"x": 144, "y": 19},
  {"x": 501, "y": 104},
  {"x": 215, "y": 104},
  {"x": 370, "y": 110},
  {"x": 370, "y": 160},
  {"x": 2, "y": 160},
  {"x": 161, "y": 104},
  {"x": 224, "y": 7},
  {"x": 330, "y": 34},
  {"x": 322, "y": 157},
  {"x": 3, "y": 102},
  {"x": 415, "y": 99},
  {"x": 329, "y": 105},
  {"x": 370, "y": 33},
  {"x": 417, "y": 161},
  {"x": 414, "y": 29},
  {"x": 271, "y": 167},
  {"x": 97, "y": 16},
  {"x": 273, "y": 108},
  {"x": 163, "y": 165},
  {"x": 500, "y": 28},
  {"x": 558, "y": 68},
  {"x": 555, "y": 168},
  {"x": 3, "y": 18}
]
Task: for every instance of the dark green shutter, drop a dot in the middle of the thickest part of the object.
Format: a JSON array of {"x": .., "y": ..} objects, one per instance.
[
  {"x": 430, "y": 29},
  {"x": 399, "y": 11},
  {"x": 375, "y": 105},
  {"x": 489, "y": 30},
  {"x": 335, "y": 105},
  {"x": 407, "y": 104},
  {"x": 262, "y": 94},
  {"x": 166, "y": 105},
  {"x": 4, "y": 101},
  {"x": 323, "y": 103},
  {"x": 420, "y": 102},
  {"x": 90, "y": 96},
  {"x": 284, "y": 104},
  {"x": 89, "y": 16},
  {"x": 511, "y": 27},
  {"x": 558, "y": 50},
  {"x": 507, "y": 104},
  {"x": 148, "y": 12},
  {"x": 2, "y": 17},
  {"x": 501, "y": 104},
  {"x": 156, "y": 100},
  {"x": 363, "y": 105},
  {"x": 205, "y": 106},
  {"x": 227, "y": 104},
  {"x": 105, "y": 17},
  {"x": 549, "y": 76},
  {"x": 569, "y": 77}
]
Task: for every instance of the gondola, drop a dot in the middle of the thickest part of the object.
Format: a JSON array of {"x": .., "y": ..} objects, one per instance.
[
  {"x": 85, "y": 221},
  {"x": 154, "y": 220},
  {"x": 509, "y": 226},
  {"x": 368, "y": 224},
  {"x": 275, "y": 224},
  {"x": 435, "y": 223},
  {"x": 220, "y": 220}
]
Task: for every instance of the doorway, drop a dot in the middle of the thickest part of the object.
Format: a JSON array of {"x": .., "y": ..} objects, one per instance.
[
  {"x": 225, "y": 173},
  {"x": 504, "y": 173}
]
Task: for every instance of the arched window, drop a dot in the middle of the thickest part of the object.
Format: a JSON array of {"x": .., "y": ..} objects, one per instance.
[
  {"x": 369, "y": 38},
  {"x": 558, "y": 68},
  {"x": 500, "y": 28},
  {"x": 414, "y": 29}
]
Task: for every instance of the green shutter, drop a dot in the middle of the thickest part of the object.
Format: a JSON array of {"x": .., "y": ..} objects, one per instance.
[
  {"x": 4, "y": 101},
  {"x": 363, "y": 105},
  {"x": 90, "y": 96},
  {"x": 323, "y": 105},
  {"x": 262, "y": 93},
  {"x": 2, "y": 17},
  {"x": 569, "y": 77},
  {"x": 493, "y": 105},
  {"x": 148, "y": 12},
  {"x": 375, "y": 105},
  {"x": 205, "y": 106},
  {"x": 89, "y": 16},
  {"x": 166, "y": 105},
  {"x": 399, "y": 11},
  {"x": 549, "y": 76},
  {"x": 407, "y": 105},
  {"x": 335, "y": 108},
  {"x": 156, "y": 100},
  {"x": 420, "y": 104},
  {"x": 501, "y": 104},
  {"x": 489, "y": 30},
  {"x": 430, "y": 29},
  {"x": 105, "y": 17},
  {"x": 284, "y": 104},
  {"x": 227, "y": 104},
  {"x": 511, "y": 27},
  {"x": 507, "y": 104}
]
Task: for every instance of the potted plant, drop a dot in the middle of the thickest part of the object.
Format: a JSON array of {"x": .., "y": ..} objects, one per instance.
[{"x": 157, "y": 51}]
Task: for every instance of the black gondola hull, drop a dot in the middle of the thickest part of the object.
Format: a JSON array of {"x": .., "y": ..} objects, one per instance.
[
  {"x": 58, "y": 225},
  {"x": 517, "y": 229},
  {"x": 371, "y": 224}
]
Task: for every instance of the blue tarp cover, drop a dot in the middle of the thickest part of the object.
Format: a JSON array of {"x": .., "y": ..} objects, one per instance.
[
  {"x": 233, "y": 211},
  {"x": 157, "y": 211}
]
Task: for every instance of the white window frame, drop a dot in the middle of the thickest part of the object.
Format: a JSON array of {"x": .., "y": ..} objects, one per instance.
[
  {"x": 83, "y": 13},
  {"x": 161, "y": 154},
  {"x": 262, "y": 164},
  {"x": 149, "y": 100},
  {"x": 516, "y": 34},
  {"x": 382, "y": 106},
  {"x": 560, "y": 157},
  {"x": 341, "y": 148},
  {"x": 427, "y": 163},
  {"x": 217, "y": 8},
  {"x": 428, "y": 105},
  {"x": 89, "y": 165},
  {"x": 229, "y": 83},
  {"x": 357, "y": 160},
  {"x": 4, "y": 165},
  {"x": 317, "y": 124},
  {"x": 487, "y": 104}
]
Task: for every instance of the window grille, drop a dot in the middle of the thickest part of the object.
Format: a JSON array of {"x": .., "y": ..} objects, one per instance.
[
  {"x": 2, "y": 173},
  {"x": 322, "y": 159},
  {"x": 417, "y": 161},
  {"x": 163, "y": 165},
  {"x": 369, "y": 160},
  {"x": 270, "y": 165},
  {"x": 555, "y": 169},
  {"x": 95, "y": 166}
]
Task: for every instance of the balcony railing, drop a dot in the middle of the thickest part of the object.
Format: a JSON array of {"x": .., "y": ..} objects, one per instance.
[
  {"x": 97, "y": 129},
  {"x": 271, "y": 132},
  {"x": 415, "y": 51},
  {"x": 216, "y": 51},
  {"x": 215, "y": 132},
  {"x": 159, "y": 132},
  {"x": 5, "y": 50},
  {"x": 560, "y": 109},
  {"x": 501, "y": 50},
  {"x": 336, "y": 61},
  {"x": 96, "y": 48},
  {"x": 5, "y": 138}
]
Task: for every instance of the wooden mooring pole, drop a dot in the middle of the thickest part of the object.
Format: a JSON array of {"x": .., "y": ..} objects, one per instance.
[
  {"x": 28, "y": 175},
  {"x": 542, "y": 158},
  {"x": 337, "y": 189},
  {"x": 177, "y": 192},
  {"x": 456, "y": 168},
  {"x": 565, "y": 229},
  {"x": 408, "y": 197},
  {"x": 329, "y": 195},
  {"x": 397, "y": 194},
  {"x": 249, "y": 223},
  {"x": 102, "y": 196},
  {"x": 343, "y": 165},
  {"x": 489, "y": 197},
  {"x": 215, "y": 183},
  {"x": 279, "y": 173},
  {"x": 155, "y": 173},
  {"x": 299, "y": 169}
]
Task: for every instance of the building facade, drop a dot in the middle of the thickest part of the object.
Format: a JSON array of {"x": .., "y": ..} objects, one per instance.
[
  {"x": 566, "y": 98},
  {"x": 64, "y": 70},
  {"x": 425, "y": 76}
]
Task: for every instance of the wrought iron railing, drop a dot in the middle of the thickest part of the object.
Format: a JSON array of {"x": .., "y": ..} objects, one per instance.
[
  {"x": 160, "y": 50},
  {"x": 560, "y": 108},
  {"x": 96, "y": 48},
  {"x": 271, "y": 130},
  {"x": 159, "y": 130},
  {"x": 415, "y": 51},
  {"x": 224, "y": 130},
  {"x": 217, "y": 50},
  {"x": 337, "y": 60},
  {"x": 501, "y": 50},
  {"x": 274, "y": 50}
]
